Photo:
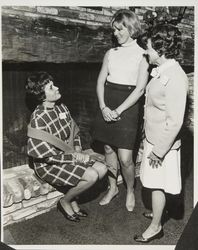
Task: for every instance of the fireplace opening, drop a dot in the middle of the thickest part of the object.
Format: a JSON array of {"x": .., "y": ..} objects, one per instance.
[{"x": 77, "y": 84}]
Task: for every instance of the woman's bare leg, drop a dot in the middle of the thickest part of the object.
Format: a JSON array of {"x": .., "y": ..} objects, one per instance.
[
  {"x": 158, "y": 205},
  {"x": 112, "y": 162},
  {"x": 100, "y": 168},
  {"x": 88, "y": 179},
  {"x": 128, "y": 171}
]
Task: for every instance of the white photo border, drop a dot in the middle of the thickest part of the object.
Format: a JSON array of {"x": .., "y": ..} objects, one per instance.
[{"x": 119, "y": 4}]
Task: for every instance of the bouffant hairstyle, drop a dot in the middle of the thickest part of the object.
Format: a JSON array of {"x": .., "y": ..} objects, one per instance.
[
  {"x": 130, "y": 20},
  {"x": 165, "y": 39},
  {"x": 35, "y": 85}
]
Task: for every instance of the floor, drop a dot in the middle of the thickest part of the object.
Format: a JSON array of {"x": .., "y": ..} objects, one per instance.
[{"x": 111, "y": 224}]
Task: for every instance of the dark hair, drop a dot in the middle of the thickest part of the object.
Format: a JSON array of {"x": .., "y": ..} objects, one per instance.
[
  {"x": 165, "y": 39},
  {"x": 35, "y": 84},
  {"x": 130, "y": 20}
]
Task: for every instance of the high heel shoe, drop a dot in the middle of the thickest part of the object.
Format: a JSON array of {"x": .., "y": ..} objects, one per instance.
[
  {"x": 82, "y": 213},
  {"x": 140, "y": 238},
  {"x": 74, "y": 217}
]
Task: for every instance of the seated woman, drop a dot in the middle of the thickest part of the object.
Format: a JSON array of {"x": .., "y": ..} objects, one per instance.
[
  {"x": 164, "y": 113},
  {"x": 54, "y": 144}
]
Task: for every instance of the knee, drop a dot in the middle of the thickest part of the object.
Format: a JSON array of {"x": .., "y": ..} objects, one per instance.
[
  {"x": 108, "y": 149},
  {"x": 91, "y": 175},
  {"x": 126, "y": 162},
  {"x": 101, "y": 169}
]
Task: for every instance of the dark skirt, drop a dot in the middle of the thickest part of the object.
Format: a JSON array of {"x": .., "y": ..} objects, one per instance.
[{"x": 121, "y": 133}]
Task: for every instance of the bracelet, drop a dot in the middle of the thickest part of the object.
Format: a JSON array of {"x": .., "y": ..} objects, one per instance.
[{"x": 103, "y": 108}]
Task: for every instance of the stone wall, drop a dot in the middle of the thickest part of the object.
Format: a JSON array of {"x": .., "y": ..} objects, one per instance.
[
  {"x": 60, "y": 35},
  {"x": 71, "y": 34}
]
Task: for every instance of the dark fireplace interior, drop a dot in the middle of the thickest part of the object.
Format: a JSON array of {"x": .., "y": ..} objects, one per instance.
[
  {"x": 77, "y": 84},
  {"x": 69, "y": 43}
]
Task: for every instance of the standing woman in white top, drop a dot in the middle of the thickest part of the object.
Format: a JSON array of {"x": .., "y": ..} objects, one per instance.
[{"x": 121, "y": 82}]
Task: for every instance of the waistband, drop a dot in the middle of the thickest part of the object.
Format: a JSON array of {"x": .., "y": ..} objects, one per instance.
[{"x": 119, "y": 86}]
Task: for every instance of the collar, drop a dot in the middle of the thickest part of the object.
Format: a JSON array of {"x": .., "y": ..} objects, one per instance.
[
  {"x": 169, "y": 63},
  {"x": 132, "y": 43},
  {"x": 42, "y": 107}
]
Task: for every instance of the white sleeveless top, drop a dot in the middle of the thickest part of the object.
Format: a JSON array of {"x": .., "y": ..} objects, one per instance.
[{"x": 123, "y": 63}]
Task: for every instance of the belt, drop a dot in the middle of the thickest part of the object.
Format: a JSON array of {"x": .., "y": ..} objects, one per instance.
[{"x": 120, "y": 86}]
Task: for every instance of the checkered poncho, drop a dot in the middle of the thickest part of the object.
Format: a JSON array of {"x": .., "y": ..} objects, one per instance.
[{"x": 50, "y": 163}]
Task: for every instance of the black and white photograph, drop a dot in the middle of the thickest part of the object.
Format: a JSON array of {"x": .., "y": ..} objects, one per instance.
[{"x": 97, "y": 125}]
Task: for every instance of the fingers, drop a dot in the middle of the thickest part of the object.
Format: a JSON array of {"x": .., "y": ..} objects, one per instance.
[
  {"x": 80, "y": 157},
  {"x": 109, "y": 115},
  {"x": 154, "y": 161}
]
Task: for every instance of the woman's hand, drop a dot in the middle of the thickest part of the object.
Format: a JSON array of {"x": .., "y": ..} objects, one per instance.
[
  {"x": 80, "y": 157},
  {"x": 107, "y": 114},
  {"x": 154, "y": 161},
  {"x": 78, "y": 149},
  {"x": 116, "y": 115}
]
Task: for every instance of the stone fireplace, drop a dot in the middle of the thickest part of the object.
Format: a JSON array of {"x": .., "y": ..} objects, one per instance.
[{"x": 69, "y": 43}]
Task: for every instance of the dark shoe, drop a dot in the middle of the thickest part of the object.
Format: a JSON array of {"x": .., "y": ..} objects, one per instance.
[
  {"x": 74, "y": 217},
  {"x": 148, "y": 215},
  {"x": 141, "y": 239},
  {"x": 82, "y": 213}
]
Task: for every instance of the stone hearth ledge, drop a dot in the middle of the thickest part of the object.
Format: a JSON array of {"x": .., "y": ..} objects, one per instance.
[{"x": 25, "y": 195}]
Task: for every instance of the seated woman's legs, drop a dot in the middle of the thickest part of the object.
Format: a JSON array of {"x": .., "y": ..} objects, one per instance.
[
  {"x": 100, "y": 168},
  {"x": 88, "y": 179},
  {"x": 112, "y": 162},
  {"x": 127, "y": 165}
]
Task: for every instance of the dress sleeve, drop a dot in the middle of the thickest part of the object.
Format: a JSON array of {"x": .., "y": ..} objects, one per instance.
[
  {"x": 44, "y": 150},
  {"x": 175, "y": 102}
]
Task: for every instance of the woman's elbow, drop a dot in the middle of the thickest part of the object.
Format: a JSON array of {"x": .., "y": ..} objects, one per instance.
[{"x": 140, "y": 92}]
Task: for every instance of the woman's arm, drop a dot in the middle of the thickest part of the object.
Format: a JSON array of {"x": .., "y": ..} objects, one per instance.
[
  {"x": 138, "y": 91},
  {"x": 106, "y": 112},
  {"x": 175, "y": 103},
  {"x": 101, "y": 81}
]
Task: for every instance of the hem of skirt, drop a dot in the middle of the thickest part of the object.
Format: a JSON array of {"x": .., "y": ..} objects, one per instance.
[
  {"x": 162, "y": 188},
  {"x": 114, "y": 144}
]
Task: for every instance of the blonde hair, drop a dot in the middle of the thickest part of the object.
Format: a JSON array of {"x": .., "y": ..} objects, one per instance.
[{"x": 130, "y": 20}]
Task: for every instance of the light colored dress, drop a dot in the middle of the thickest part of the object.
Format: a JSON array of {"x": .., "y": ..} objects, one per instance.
[{"x": 164, "y": 113}]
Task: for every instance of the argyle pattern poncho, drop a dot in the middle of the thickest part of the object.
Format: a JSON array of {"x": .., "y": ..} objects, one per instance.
[{"x": 52, "y": 164}]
